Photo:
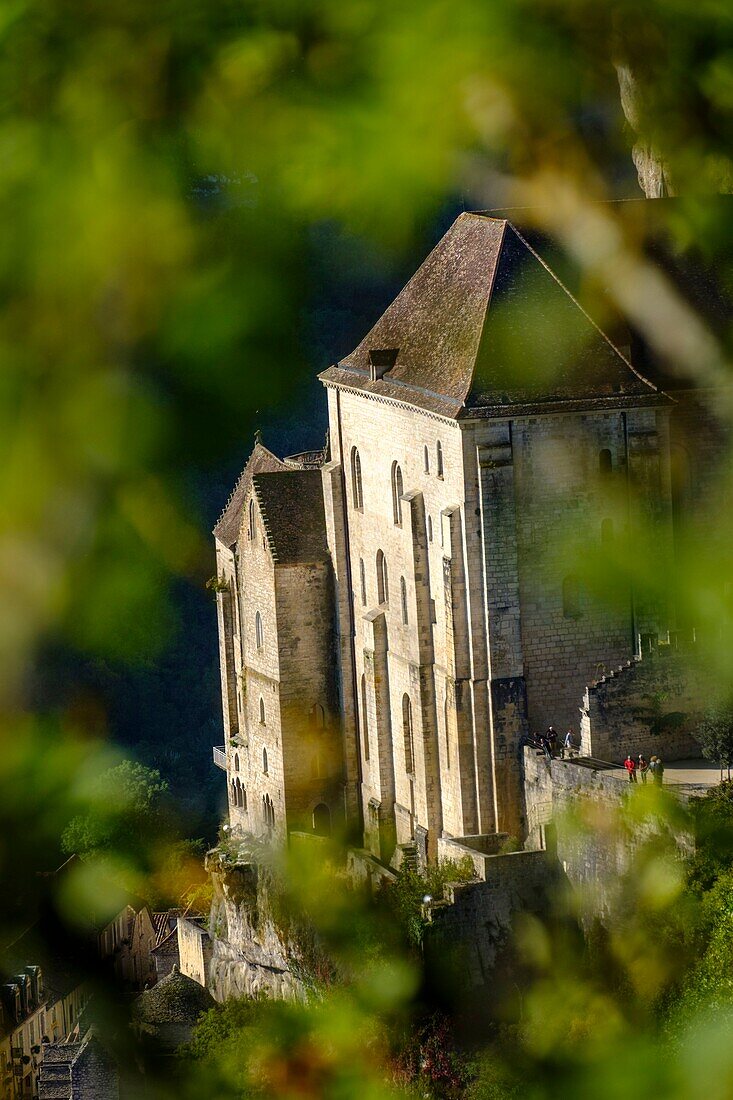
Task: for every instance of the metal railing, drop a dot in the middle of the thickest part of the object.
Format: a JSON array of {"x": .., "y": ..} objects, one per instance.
[{"x": 220, "y": 757}]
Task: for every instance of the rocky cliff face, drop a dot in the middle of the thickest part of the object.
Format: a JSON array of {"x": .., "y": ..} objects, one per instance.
[{"x": 250, "y": 953}]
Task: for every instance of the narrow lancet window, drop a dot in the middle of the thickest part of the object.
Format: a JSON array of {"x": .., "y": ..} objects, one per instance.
[
  {"x": 356, "y": 485},
  {"x": 397, "y": 490},
  {"x": 407, "y": 734},
  {"x": 382, "y": 579},
  {"x": 364, "y": 717}
]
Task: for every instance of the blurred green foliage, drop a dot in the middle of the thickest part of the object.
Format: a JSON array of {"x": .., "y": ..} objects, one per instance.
[
  {"x": 164, "y": 171},
  {"x": 126, "y": 807},
  {"x": 716, "y": 735},
  {"x": 627, "y": 1007}
]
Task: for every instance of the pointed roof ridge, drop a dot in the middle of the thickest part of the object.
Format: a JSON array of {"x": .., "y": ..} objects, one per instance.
[
  {"x": 492, "y": 282},
  {"x": 436, "y": 319},
  {"x": 584, "y": 311},
  {"x": 261, "y": 459},
  {"x": 479, "y": 329}
]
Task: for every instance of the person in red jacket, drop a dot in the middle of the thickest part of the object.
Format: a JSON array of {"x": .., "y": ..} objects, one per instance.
[{"x": 630, "y": 765}]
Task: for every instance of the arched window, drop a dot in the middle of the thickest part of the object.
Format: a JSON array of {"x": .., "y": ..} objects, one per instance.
[
  {"x": 244, "y": 799},
  {"x": 322, "y": 820},
  {"x": 439, "y": 458},
  {"x": 234, "y": 793},
  {"x": 605, "y": 463},
  {"x": 607, "y": 530},
  {"x": 403, "y": 599},
  {"x": 259, "y": 634},
  {"x": 407, "y": 734},
  {"x": 364, "y": 717},
  {"x": 318, "y": 716},
  {"x": 430, "y": 529},
  {"x": 264, "y": 761},
  {"x": 571, "y": 597},
  {"x": 356, "y": 487},
  {"x": 382, "y": 580},
  {"x": 262, "y": 711},
  {"x": 426, "y": 459},
  {"x": 251, "y": 529},
  {"x": 236, "y": 761},
  {"x": 268, "y": 812},
  {"x": 362, "y": 581},
  {"x": 397, "y": 490},
  {"x": 446, "y": 718},
  {"x": 240, "y": 799}
]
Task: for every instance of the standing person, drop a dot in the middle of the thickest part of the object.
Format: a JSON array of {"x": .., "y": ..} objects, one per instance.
[
  {"x": 653, "y": 768},
  {"x": 630, "y": 765},
  {"x": 568, "y": 746},
  {"x": 642, "y": 767},
  {"x": 552, "y": 739},
  {"x": 659, "y": 772}
]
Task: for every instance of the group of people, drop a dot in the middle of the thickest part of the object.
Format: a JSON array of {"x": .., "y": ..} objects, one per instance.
[
  {"x": 550, "y": 743},
  {"x": 640, "y": 768}
]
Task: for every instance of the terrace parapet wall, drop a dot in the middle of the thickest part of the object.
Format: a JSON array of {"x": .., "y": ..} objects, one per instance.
[{"x": 475, "y": 919}]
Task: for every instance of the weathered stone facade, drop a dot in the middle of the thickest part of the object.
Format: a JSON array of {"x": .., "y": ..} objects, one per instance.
[
  {"x": 194, "y": 950},
  {"x": 275, "y": 592}
]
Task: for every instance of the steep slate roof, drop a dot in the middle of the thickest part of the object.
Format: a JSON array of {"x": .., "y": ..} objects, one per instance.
[
  {"x": 174, "y": 999},
  {"x": 291, "y": 505},
  {"x": 484, "y": 326},
  {"x": 167, "y": 946},
  {"x": 230, "y": 520},
  {"x": 73, "y": 1070},
  {"x": 662, "y": 232}
]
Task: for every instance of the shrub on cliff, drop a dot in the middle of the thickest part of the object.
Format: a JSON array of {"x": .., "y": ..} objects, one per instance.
[{"x": 407, "y": 896}]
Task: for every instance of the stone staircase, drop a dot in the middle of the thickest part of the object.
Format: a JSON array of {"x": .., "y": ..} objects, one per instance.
[{"x": 405, "y": 858}]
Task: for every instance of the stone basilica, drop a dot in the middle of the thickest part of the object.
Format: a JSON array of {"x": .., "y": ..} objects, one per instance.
[{"x": 398, "y": 612}]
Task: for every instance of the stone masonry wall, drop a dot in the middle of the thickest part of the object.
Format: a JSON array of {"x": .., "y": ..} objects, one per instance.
[
  {"x": 309, "y": 716},
  {"x": 595, "y": 855},
  {"x": 569, "y": 513},
  {"x": 194, "y": 951},
  {"x": 650, "y": 705},
  {"x": 477, "y": 917}
]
